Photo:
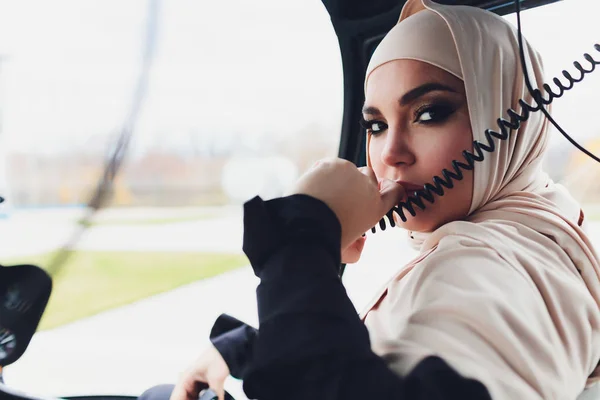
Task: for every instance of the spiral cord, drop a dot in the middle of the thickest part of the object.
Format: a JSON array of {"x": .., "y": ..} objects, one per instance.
[{"x": 449, "y": 177}]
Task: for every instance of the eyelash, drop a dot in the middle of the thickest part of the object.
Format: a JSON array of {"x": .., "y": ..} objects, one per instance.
[
  {"x": 368, "y": 125},
  {"x": 440, "y": 112}
]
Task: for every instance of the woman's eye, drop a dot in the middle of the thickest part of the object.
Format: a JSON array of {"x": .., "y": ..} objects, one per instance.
[
  {"x": 431, "y": 114},
  {"x": 376, "y": 127},
  {"x": 427, "y": 116},
  {"x": 373, "y": 126}
]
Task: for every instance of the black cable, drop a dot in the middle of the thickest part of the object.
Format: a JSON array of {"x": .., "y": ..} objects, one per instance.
[
  {"x": 537, "y": 94},
  {"x": 119, "y": 150}
]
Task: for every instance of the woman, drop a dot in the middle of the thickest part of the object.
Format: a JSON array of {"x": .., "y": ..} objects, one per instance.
[{"x": 503, "y": 300}]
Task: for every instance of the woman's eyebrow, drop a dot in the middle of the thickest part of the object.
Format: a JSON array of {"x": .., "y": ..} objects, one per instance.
[
  {"x": 422, "y": 90},
  {"x": 412, "y": 95},
  {"x": 371, "y": 110}
]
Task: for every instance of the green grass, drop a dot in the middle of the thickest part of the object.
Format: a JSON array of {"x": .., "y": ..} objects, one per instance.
[{"x": 92, "y": 282}]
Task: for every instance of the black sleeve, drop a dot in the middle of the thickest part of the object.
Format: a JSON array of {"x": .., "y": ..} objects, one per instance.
[
  {"x": 311, "y": 343},
  {"x": 235, "y": 341}
]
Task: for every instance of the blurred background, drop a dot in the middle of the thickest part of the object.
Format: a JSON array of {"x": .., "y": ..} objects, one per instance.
[{"x": 223, "y": 101}]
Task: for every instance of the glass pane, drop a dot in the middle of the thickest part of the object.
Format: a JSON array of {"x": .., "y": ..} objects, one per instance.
[
  {"x": 239, "y": 99},
  {"x": 563, "y": 32}
]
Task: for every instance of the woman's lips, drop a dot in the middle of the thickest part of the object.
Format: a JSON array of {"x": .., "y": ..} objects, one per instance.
[{"x": 410, "y": 187}]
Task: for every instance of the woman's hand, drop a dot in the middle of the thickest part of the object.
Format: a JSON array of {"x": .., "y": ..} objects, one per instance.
[
  {"x": 356, "y": 197},
  {"x": 351, "y": 254},
  {"x": 210, "y": 368}
]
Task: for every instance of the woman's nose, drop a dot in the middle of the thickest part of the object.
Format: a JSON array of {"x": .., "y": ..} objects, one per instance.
[{"x": 396, "y": 150}]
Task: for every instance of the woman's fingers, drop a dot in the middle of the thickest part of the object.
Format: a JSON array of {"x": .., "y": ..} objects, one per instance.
[
  {"x": 218, "y": 388},
  {"x": 353, "y": 195},
  {"x": 216, "y": 380},
  {"x": 221, "y": 393},
  {"x": 178, "y": 393},
  {"x": 209, "y": 370},
  {"x": 391, "y": 194},
  {"x": 186, "y": 389},
  {"x": 368, "y": 172}
]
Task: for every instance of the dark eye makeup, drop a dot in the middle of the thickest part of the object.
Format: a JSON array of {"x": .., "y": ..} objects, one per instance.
[
  {"x": 373, "y": 126},
  {"x": 433, "y": 113},
  {"x": 427, "y": 114}
]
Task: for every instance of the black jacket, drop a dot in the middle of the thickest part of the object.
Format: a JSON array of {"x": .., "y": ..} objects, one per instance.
[{"x": 311, "y": 343}]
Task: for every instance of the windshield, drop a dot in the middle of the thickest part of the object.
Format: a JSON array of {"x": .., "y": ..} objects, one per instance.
[{"x": 224, "y": 100}]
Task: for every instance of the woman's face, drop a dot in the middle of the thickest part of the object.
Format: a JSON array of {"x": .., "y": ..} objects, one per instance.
[{"x": 418, "y": 120}]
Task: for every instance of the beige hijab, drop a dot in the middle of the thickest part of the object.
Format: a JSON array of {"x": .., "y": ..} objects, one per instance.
[{"x": 510, "y": 296}]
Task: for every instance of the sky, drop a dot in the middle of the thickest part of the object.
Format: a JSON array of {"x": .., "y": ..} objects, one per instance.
[{"x": 220, "y": 73}]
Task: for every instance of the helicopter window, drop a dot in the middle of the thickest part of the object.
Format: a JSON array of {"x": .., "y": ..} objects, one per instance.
[{"x": 225, "y": 100}]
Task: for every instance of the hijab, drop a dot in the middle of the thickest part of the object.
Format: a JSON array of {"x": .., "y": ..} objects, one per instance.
[{"x": 511, "y": 294}]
